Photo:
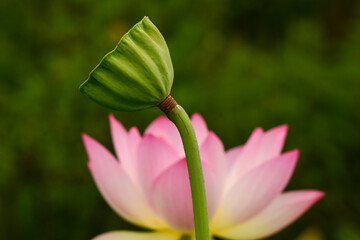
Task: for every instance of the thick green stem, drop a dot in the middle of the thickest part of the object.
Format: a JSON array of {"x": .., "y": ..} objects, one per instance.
[{"x": 179, "y": 117}]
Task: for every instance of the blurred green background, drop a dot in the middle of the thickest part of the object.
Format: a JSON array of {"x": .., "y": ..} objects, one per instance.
[{"x": 241, "y": 64}]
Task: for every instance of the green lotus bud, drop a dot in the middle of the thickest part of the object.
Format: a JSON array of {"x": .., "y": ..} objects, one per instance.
[{"x": 136, "y": 75}]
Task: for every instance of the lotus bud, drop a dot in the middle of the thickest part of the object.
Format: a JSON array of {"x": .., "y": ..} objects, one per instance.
[{"x": 136, "y": 75}]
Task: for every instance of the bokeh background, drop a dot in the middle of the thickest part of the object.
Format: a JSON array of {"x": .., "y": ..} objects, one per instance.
[{"x": 241, "y": 64}]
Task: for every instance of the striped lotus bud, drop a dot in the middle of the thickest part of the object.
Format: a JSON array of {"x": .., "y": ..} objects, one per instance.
[{"x": 136, "y": 75}]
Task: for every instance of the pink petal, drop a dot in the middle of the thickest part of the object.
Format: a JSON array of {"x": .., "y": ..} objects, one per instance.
[
  {"x": 200, "y": 127},
  {"x": 116, "y": 186},
  {"x": 272, "y": 143},
  {"x": 212, "y": 151},
  {"x": 127, "y": 235},
  {"x": 261, "y": 146},
  {"x": 125, "y": 144},
  {"x": 255, "y": 190},
  {"x": 154, "y": 156},
  {"x": 163, "y": 128},
  {"x": 285, "y": 209},
  {"x": 245, "y": 160},
  {"x": 232, "y": 155},
  {"x": 171, "y": 195},
  {"x": 134, "y": 139}
]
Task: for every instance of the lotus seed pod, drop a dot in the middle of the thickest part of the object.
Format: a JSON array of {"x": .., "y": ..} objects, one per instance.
[{"x": 136, "y": 75}]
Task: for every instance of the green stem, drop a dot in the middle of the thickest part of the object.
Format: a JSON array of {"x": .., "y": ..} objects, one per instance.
[{"x": 179, "y": 117}]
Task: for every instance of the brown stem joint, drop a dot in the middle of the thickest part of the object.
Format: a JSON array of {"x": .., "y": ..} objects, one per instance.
[{"x": 167, "y": 104}]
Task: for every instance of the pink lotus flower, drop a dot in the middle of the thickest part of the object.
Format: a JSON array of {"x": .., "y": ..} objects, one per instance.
[{"x": 148, "y": 183}]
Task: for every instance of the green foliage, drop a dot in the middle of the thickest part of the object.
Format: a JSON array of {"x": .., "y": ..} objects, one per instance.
[{"x": 241, "y": 64}]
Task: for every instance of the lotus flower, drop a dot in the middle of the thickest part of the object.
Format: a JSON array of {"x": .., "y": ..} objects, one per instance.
[{"x": 148, "y": 184}]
